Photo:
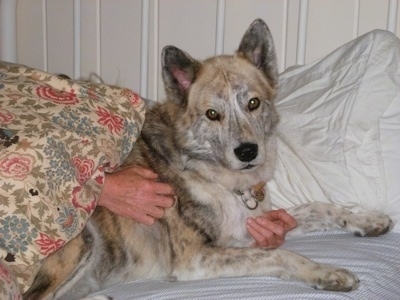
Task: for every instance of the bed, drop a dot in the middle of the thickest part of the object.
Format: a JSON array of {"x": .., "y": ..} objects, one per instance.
[{"x": 338, "y": 142}]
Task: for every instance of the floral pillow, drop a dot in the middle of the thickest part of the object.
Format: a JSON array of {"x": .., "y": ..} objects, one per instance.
[{"x": 57, "y": 139}]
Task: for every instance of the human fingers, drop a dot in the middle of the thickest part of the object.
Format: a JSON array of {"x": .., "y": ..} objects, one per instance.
[
  {"x": 262, "y": 236},
  {"x": 161, "y": 188},
  {"x": 273, "y": 215},
  {"x": 143, "y": 213},
  {"x": 289, "y": 222},
  {"x": 144, "y": 172},
  {"x": 162, "y": 201},
  {"x": 157, "y": 194},
  {"x": 268, "y": 222},
  {"x": 154, "y": 211},
  {"x": 144, "y": 219}
]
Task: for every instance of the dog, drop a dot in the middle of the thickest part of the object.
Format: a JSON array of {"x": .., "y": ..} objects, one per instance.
[{"x": 213, "y": 140}]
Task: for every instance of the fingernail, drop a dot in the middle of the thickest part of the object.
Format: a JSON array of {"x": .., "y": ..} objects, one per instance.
[{"x": 259, "y": 220}]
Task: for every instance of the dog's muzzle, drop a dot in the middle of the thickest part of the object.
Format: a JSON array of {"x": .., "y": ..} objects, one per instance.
[{"x": 246, "y": 152}]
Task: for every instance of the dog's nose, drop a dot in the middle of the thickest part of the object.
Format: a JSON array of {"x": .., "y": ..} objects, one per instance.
[{"x": 246, "y": 151}]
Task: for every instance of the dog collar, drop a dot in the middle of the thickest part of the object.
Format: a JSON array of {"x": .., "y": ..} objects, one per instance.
[{"x": 252, "y": 196}]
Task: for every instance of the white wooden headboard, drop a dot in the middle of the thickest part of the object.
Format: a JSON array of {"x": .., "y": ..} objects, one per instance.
[{"x": 121, "y": 40}]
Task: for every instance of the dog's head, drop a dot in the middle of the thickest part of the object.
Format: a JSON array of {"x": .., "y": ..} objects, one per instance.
[{"x": 228, "y": 114}]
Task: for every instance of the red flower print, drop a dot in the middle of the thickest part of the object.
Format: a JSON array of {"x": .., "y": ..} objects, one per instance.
[
  {"x": 56, "y": 96},
  {"x": 48, "y": 245},
  {"x": 99, "y": 179},
  {"x": 5, "y": 116},
  {"x": 83, "y": 199},
  {"x": 84, "y": 168},
  {"x": 5, "y": 274},
  {"x": 133, "y": 98},
  {"x": 16, "y": 166},
  {"x": 111, "y": 121}
]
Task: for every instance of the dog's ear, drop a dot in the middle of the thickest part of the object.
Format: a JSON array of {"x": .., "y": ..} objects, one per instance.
[
  {"x": 179, "y": 71},
  {"x": 257, "y": 46}
]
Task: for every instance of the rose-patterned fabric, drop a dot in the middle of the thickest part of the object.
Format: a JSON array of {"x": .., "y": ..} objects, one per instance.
[
  {"x": 58, "y": 137},
  {"x": 9, "y": 288}
]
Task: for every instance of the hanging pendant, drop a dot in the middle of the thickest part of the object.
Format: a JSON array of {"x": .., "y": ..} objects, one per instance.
[
  {"x": 248, "y": 200},
  {"x": 250, "y": 203}
]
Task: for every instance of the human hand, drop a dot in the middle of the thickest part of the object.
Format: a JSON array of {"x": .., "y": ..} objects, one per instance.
[
  {"x": 135, "y": 193},
  {"x": 270, "y": 229}
]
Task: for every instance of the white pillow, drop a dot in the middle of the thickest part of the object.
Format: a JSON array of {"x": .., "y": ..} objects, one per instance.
[{"x": 339, "y": 134}]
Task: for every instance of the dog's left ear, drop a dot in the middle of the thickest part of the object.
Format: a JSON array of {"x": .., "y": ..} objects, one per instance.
[
  {"x": 179, "y": 71},
  {"x": 258, "y": 47}
]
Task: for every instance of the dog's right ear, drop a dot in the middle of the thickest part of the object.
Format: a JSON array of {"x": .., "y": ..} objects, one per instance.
[{"x": 179, "y": 71}]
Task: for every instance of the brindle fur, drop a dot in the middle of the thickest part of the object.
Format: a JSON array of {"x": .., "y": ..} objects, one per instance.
[{"x": 204, "y": 234}]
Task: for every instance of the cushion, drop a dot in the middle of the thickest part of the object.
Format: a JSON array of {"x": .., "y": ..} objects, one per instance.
[
  {"x": 339, "y": 134},
  {"x": 58, "y": 138}
]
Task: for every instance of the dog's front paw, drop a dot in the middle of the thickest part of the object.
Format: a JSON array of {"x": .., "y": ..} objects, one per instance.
[
  {"x": 371, "y": 225},
  {"x": 333, "y": 279}
]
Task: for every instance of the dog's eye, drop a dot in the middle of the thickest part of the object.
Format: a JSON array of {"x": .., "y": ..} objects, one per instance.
[
  {"x": 254, "y": 103},
  {"x": 213, "y": 115}
]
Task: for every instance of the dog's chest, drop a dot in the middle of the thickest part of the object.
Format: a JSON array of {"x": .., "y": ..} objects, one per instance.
[{"x": 230, "y": 210}]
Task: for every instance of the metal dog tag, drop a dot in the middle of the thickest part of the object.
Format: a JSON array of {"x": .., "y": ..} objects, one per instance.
[
  {"x": 248, "y": 200},
  {"x": 250, "y": 203}
]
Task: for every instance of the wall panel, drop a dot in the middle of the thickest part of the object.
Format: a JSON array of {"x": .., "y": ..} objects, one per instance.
[
  {"x": 90, "y": 38},
  {"x": 120, "y": 42},
  {"x": 110, "y": 36},
  {"x": 31, "y": 39},
  {"x": 398, "y": 19},
  {"x": 373, "y": 15},
  {"x": 330, "y": 24},
  {"x": 292, "y": 31},
  {"x": 60, "y": 39}
]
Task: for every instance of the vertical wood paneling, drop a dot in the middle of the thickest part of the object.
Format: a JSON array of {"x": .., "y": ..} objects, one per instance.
[
  {"x": 45, "y": 39},
  {"x": 189, "y": 25},
  {"x": 90, "y": 39},
  {"x": 373, "y": 15},
  {"x": 111, "y": 39},
  {"x": 60, "y": 40},
  {"x": 120, "y": 42},
  {"x": 8, "y": 30},
  {"x": 30, "y": 34},
  {"x": 356, "y": 20},
  {"x": 77, "y": 39},
  {"x": 154, "y": 55},
  {"x": 292, "y": 32},
  {"x": 144, "y": 50},
  {"x": 392, "y": 15},
  {"x": 398, "y": 21},
  {"x": 302, "y": 33},
  {"x": 330, "y": 24},
  {"x": 220, "y": 29},
  {"x": 285, "y": 19}
]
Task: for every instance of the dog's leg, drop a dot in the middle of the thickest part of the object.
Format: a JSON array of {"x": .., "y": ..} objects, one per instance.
[
  {"x": 325, "y": 216},
  {"x": 234, "y": 262}
]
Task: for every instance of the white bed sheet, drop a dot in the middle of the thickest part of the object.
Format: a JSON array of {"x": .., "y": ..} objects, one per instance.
[
  {"x": 375, "y": 260},
  {"x": 339, "y": 136}
]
